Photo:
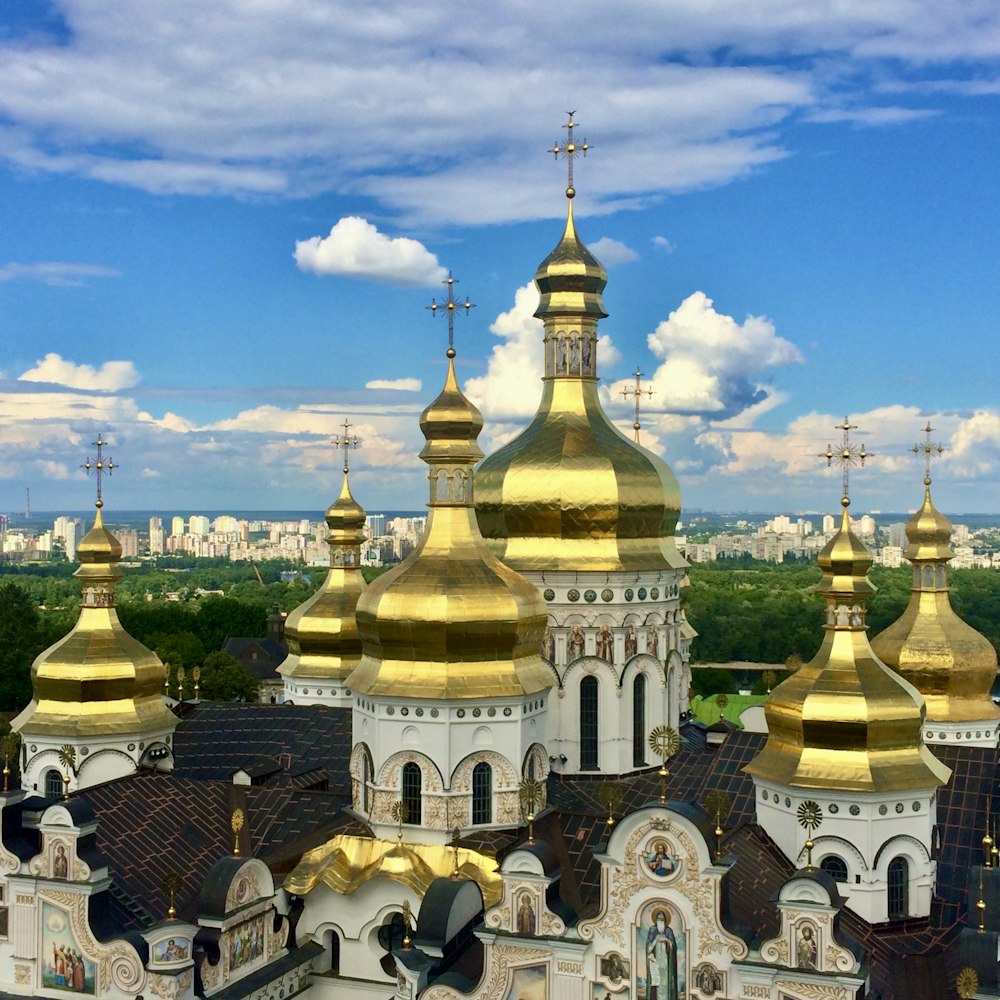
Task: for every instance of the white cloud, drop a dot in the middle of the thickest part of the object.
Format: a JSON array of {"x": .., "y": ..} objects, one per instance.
[
  {"x": 356, "y": 249},
  {"x": 110, "y": 377},
  {"x": 710, "y": 363},
  {"x": 662, "y": 243},
  {"x": 404, "y": 384},
  {"x": 610, "y": 252},
  {"x": 55, "y": 273}
]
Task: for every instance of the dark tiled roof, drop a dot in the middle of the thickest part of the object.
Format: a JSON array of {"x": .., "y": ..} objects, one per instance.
[{"x": 263, "y": 666}]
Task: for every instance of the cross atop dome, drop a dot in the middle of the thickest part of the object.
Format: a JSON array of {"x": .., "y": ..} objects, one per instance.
[
  {"x": 570, "y": 150},
  {"x": 100, "y": 467},
  {"x": 930, "y": 450},
  {"x": 449, "y": 306},
  {"x": 346, "y": 441},
  {"x": 848, "y": 456},
  {"x": 638, "y": 392}
]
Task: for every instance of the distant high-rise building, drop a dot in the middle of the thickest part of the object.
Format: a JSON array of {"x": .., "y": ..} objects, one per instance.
[
  {"x": 198, "y": 524},
  {"x": 828, "y": 524},
  {"x": 72, "y": 536},
  {"x": 129, "y": 539},
  {"x": 375, "y": 525},
  {"x": 225, "y": 524},
  {"x": 177, "y": 526},
  {"x": 157, "y": 536}
]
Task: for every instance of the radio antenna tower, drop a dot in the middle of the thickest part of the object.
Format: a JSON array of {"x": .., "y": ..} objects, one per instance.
[{"x": 27, "y": 503}]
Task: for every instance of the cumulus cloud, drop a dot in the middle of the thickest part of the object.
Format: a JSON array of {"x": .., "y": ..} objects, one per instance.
[
  {"x": 662, "y": 243},
  {"x": 112, "y": 376},
  {"x": 712, "y": 364},
  {"x": 610, "y": 252},
  {"x": 403, "y": 384},
  {"x": 356, "y": 249},
  {"x": 55, "y": 273}
]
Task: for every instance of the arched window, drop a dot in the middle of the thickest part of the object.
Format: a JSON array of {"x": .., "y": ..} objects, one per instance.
[
  {"x": 639, "y": 721},
  {"x": 53, "y": 784},
  {"x": 333, "y": 951},
  {"x": 899, "y": 889},
  {"x": 390, "y": 938},
  {"x": 588, "y": 724},
  {"x": 367, "y": 767},
  {"x": 482, "y": 794},
  {"x": 412, "y": 781},
  {"x": 835, "y": 867}
]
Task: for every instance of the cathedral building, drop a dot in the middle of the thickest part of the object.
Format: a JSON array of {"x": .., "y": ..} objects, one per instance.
[{"x": 484, "y": 782}]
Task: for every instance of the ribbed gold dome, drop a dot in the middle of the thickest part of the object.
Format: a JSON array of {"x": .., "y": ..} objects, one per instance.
[
  {"x": 571, "y": 491},
  {"x": 951, "y": 664},
  {"x": 451, "y": 621},
  {"x": 98, "y": 680},
  {"x": 845, "y": 720},
  {"x": 322, "y": 633}
]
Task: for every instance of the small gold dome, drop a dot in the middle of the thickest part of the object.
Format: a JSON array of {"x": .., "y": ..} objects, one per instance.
[
  {"x": 322, "y": 633},
  {"x": 845, "y": 720},
  {"x": 951, "y": 664},
  {"x": 98, "y": 680},
  {"x": 572, "y": 492},
  {"x": 451, "y": 621}
]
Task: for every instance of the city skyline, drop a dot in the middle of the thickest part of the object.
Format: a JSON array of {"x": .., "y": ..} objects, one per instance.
[{"x": 223, "y": 229}]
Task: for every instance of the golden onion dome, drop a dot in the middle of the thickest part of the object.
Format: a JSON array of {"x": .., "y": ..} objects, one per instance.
[
  {"x": 845, "y": 720},
  {"x": 951, "y": 664},
  {"x": 451, "y": 621},
  {"x": 572, "y": 492},
  {"x": 322, "y": 633},
  {"x": 97, "y": 680}
]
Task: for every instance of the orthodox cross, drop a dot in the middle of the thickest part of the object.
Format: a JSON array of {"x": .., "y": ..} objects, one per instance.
[
  {"x": 638, "y": 392},
  {"x": 570, "y": 150},
  {"x": 930, "y": 450},
  {"x": 346, "y": 441},
  {"x": 849, "y": 455},
  {"x": 449, "y": 306},
  {"x": 100, "y": 467}
]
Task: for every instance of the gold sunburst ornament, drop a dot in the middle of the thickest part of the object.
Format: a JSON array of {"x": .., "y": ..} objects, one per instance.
[
  {"x": 717, "y": 804},
  {"x": 530, "y": 794},
  {"x": 400, "y": 814},
  {"x": 172, "y": 884},
  {"x": 610, "y": 795},
  {"x": 664, "y": 742},
  {"x": 67, "y": 757},
  {"x": 967, "y": 983},
  {"x": 810, "y": 816},
  {"x": 236, "y": 823}
]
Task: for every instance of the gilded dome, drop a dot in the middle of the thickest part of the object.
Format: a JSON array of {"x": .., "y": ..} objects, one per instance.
[
  {"x": 572, "y": 492},
  {"x": 98, "y": 680},
  {"x": 322, "y": 633},
  {"x": 845, "y": 720},
  {"x": 451, "y": 621},
  {"x": 951, "y": 664}
]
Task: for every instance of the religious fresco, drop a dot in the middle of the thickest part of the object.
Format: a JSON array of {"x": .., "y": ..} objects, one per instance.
[
  {"x": 525, "y": 914},
  {"x": 602, "y": 992},
  {"x": 614, "y": 968},
  {"x": 63, "y": 965},
  {"x": 806, "y": 946},
  {"x": 246, "y": 942},
  {"x": 660, "y": 955},
  {"x": 172, "y": 950},
  {"x": 528, "y": 983},
  {"x": 659, "y": 861}
]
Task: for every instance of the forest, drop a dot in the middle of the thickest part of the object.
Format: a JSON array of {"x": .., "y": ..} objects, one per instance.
[{"x": 743, "y": 610}]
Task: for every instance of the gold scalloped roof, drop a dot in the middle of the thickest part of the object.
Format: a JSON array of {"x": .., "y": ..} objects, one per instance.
[
  {"x": 951, "y": 664},
  {"x": 97, "y": 680},
  {"x": 322, "y": 633},
  {"x": 572, "y": 492},
  {"x": 451, "y": 621},
  {"x": 845, "y": 720},
  {"x": 345, "y": 863}
]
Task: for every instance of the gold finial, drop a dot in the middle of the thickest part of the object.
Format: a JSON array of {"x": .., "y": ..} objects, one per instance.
[
  {"x": 181, "y": 674},
  {"x": 981, "y": 904},
  {"x": 664, "y": 742},
  {"x": 67, "y": 757},
  {"x": 638, "y": 392},
  {"x": 406, "y": 924},
  {"x": 455, "y": 835},
  {"x": 987, "y": 839},
  {"x": 8, "y": 746},
  {"x": 769, "y": 677},
  {"x": 570, "y": 150},
  {"x": 930, "y": 450},
  {"x": 609, "y": 794},
  {"x": 717, "y": 804},
  {"x": 100, "y": 467},
  {"x": 172, "y": 884},
  {"x": 721, "y": 701},
  {"x": 530, "y": 794},
  {"x": 967, "y": 983},
  {"x": 810, "y": 817},
  {"x": 449, "y": 306},
  {"x": 236, "y": 823},
  {"x": 400, "y": 814},
  {"x": 166, "y": 679},
  {"x": 196, "y": 674},
  {"x": 849, "y": 455},
  {"x": 346, "y": 441}
]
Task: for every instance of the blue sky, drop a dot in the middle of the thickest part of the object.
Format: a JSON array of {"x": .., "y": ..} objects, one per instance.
[{"x": 220, "y": 226}]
